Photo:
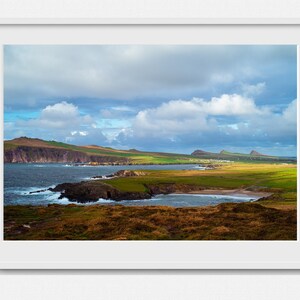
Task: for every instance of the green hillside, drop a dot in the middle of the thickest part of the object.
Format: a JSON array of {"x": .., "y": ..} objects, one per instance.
[
  {"x": 24, "y": 150},
  {"x": 253, "y": 156},
  {"x": 28, "y": 148}
]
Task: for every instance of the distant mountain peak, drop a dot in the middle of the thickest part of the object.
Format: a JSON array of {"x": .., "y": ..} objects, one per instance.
[
  {"x": 253, "y": 152},
  {"x": 25, "y": 138},
  {"x": 224, "y": 152},
  {"x": 200, "y": 152},
  {"x": 134, "y": 150}
]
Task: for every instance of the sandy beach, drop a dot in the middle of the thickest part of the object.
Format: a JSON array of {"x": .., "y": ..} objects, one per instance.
[{"x": 232, "y": 192}]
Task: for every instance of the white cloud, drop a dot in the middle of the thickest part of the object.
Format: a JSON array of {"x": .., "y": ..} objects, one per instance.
[
  {"x": 290, "y": 113},
  {"x": 229, "y": 105},
  {"x": 228, "y": 119},
  {"x": 253, "y": 89},
  {"x": 172, "y": 118},
  {"x": 128, "y": 72},
  {"x": 197, "y": 115},
  {"x": 62, "y": 115},
  {"x": 91, "y": 136},
  {"x": 63, "y": 122}
]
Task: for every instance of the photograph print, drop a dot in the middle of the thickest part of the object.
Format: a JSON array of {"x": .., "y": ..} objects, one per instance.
[{"x": 150, "y": 142}]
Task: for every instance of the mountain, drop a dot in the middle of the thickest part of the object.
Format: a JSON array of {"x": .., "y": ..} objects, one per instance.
[
  {"x": 253, "y": 152},
  {"x": 200, "y": 153},
  {"x": 225, "y": 152},
  {"x": 227, "y": 155},
  {"x": 26, "y": 150}
]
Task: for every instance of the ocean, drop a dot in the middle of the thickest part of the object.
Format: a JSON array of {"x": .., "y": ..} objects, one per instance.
[{"x": 22, "y": 179}]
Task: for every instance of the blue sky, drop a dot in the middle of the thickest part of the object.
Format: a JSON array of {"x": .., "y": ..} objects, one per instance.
[{"x": 159, "y": 98}]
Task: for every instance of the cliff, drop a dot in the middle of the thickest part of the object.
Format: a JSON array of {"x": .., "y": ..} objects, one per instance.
[{"x": 28, "y": 154}]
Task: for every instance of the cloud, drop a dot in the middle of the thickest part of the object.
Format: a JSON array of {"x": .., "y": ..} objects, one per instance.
[
  {"x": 36, "y": 74},
  {"x": 253, "y": 89},
  {"x": 91, "y": 136},
  {"x": 62, "y": 115},
  {"x": 229, "y": 105},
  {"x": 117, "y": 112},
  {"x": 183, "y": 116},
  {"x": 290, "y": 113},
  {"x": 232, "y": 120},
  {"x": 61, "y": 121}
]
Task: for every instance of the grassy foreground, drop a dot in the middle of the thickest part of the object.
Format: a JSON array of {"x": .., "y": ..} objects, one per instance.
[{"x": 230, "y": 221}]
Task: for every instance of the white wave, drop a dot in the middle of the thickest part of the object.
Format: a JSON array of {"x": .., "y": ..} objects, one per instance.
[
  {"x": 103, "y": 178},
  {"x": 26, "y": 191},
  {"x": 215, "y": 196},
  {"x": 34, "y": 190},
  {"x": 101, "y": 200},
  {"x": 200, "y": 168}
]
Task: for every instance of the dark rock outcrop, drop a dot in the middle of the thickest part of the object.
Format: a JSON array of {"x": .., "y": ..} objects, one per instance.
[
  {"x": 91, "y": 191},
  {"x": 169, "y": 188},
  {"x": 121, "y": 173},
  {"x": 128, "y": 173}
]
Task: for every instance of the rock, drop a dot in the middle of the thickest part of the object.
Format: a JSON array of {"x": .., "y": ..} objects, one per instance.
[
  {"x": 39, "y": 191},
  {"x": 129, "y": 173},
  {"x": 210, "y": 166},
  {"x": 121, "y": 173},
  {"x": 91, "y": 191},
  {"x": 169, "y": 188}
]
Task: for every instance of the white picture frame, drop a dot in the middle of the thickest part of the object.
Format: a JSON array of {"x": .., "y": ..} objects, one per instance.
[
  {"x": 145, "y": 254},
  {"x": 150, "y": 12}
]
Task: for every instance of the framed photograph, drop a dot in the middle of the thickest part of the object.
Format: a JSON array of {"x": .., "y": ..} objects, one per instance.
[{"x": 149, "y": 147}]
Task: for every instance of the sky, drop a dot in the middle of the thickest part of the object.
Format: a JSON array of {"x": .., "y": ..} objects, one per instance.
[{"x": 171, "y": 98}]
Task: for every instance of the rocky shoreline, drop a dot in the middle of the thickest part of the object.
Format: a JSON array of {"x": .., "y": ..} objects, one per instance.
[{"x": 93, "y": 190}]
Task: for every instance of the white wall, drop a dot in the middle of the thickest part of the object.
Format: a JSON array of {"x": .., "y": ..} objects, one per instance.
[
  {"x": 206, "y": 11},
  {"x": 154, "y": 285}
]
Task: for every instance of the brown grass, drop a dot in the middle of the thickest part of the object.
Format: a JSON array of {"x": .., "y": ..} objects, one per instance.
[{"x": 230, "y": 221}]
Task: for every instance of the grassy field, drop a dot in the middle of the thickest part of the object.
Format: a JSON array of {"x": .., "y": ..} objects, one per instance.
[
  {"x": 228, "y": 221},
  {"x": 277, "y": 178}
]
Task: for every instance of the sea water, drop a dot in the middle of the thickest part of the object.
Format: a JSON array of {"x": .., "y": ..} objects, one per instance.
[{"x": 20, "y": 180}]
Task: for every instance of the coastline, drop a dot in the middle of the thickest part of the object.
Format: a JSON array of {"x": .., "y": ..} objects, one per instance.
[{"x": 232, "y": 192}]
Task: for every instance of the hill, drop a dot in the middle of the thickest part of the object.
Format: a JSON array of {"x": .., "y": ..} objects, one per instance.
[
  {"x": 27, "y": 150},
  {"x": 232, "y": 156},
  {"x": 200, "y": 153},
  {"x": 253, "y": 152}
]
